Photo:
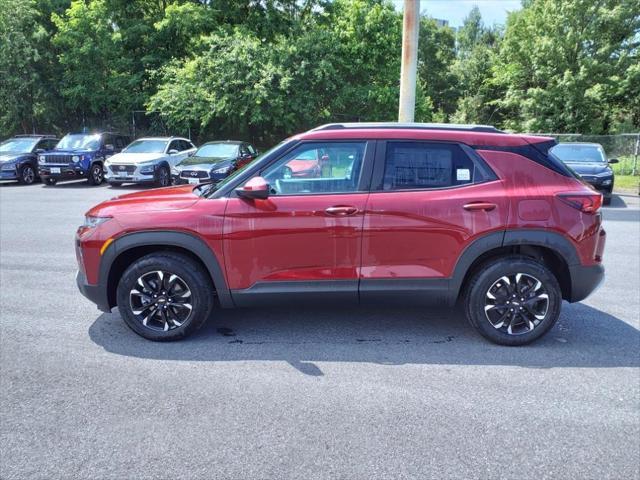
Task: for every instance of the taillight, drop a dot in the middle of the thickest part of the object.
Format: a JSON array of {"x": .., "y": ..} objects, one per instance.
[{"x": 585, "y": 202}]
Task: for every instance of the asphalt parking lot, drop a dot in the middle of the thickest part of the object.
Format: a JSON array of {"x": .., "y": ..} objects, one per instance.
[{"x": 330, "y": 393}]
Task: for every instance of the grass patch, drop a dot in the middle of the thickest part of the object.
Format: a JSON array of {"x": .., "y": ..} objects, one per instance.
[
  {"x": 627, "y": 182},
  {"x": 625, "y": 167}
]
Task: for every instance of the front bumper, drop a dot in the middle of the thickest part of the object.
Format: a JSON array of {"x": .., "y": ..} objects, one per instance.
[
  {"x": 597, "y": 183},
  {"x": 116, "y": 176},
  {"x": 62, "y": 172},
  {"x": 96, "y": 293},
  {"x": 585, "y": 280}
]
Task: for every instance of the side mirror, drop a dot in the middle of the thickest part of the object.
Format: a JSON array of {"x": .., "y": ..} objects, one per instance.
[
  {"x": 256, "y": 188},
  {"x": 614, "y": 160},
  {"x": 109, "y": 147},
  {"x": 173, "y": 151},
  {"x": 191, "y": 154}
]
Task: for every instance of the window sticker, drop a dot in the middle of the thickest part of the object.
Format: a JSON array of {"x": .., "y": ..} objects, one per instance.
[{"x": 463, "y": 174}]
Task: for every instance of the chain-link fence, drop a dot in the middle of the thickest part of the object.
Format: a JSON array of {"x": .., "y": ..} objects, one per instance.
[{"x": 625, "y": 147}]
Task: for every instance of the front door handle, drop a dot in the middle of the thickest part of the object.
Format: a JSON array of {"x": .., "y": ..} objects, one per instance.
[
  {"x": 341, "y": 211},
  {"x": 487, "y": 207}
]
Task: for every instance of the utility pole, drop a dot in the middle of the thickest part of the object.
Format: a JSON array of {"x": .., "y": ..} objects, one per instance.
[{"x": 408, "y": 70}]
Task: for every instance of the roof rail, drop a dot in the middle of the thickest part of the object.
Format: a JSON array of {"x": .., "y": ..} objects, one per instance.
[
  {"x": 26, "y": 135},
  {"x": 412, "y": 126}
]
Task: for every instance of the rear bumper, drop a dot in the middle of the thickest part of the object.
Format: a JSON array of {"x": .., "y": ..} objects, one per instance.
[
  {"x": 96, "y": 293},
  {"x": 585, "y": 280}
]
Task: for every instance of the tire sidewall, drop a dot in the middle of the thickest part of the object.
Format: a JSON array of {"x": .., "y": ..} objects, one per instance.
[
  {"x": 91, "y": 179},
  {"x": 485, "y": 278},
  {"x": 189, "y": 272},
  {"x": 21, "y": 178}
]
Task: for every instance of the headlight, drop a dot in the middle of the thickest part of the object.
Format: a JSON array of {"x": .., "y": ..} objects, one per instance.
[
  {"x": 604, "y": 174},
  {"x": 41, "y": 159},
  {"x": 107, "y": 163},
  {"x": 175, "y": 171},
  {"x": 75, "y": 159},
  {"x": 11, "y": 165},
  {"x": 222, "y": 169},
  {"x": 147, "y": 169},
  {"x": 92, "y": 222},
  {"x": 606, "y": 182}
]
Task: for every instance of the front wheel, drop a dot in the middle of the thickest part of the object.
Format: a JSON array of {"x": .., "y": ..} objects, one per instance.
[
  {"x": 165, "y": 296},
  {"x": 163, "y": 177},
  {"x": 27, "y": 175},
  {"x": 96, "y": 174},
  {"x": 513, "y": 300}
]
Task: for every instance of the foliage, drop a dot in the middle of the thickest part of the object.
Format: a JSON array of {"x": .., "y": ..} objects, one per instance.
[
  {"x": 565, "y": 66},
  {"x": 269, "y": 68}
]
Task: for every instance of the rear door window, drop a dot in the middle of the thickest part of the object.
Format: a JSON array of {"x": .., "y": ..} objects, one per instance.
[{"x": 428, "y": 165}]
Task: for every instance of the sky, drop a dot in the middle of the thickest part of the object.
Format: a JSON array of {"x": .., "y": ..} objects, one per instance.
[{"x": 493, "y": 11}]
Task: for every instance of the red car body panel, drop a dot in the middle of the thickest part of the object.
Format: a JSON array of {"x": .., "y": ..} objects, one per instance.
[
  {"x": 294, "y": 238},
  {"x": 428, "y": 229}
]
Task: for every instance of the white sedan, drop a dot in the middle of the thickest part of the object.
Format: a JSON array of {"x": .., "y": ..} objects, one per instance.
[{"x": 148, "y": 160}]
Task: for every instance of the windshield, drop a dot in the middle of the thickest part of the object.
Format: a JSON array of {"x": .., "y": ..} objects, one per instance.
[
  {"x": 147, "y": 146},
  {"x": 79, "y": 141},
  {"x": 219, "y": 150},
  {"x": 18, "y": 145},
  {"x": 210, "y": 188},
  {"x": 579, "y": 153}
]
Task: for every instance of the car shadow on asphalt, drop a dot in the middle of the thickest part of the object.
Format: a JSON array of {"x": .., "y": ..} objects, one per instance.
[
  {"x": 617, "y": 201},
  {"x": 584, "y": 337}
]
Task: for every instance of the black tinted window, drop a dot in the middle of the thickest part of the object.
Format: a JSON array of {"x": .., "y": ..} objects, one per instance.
[{"x": 419, "y": 165}]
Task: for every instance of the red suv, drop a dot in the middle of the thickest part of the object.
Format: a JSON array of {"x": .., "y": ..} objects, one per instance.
[{"x": 400, "y": 213}]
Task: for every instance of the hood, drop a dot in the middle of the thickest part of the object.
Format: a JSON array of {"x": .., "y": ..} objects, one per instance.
[
  {"x": 156, "y": 200},
  {"x": 586, "y": 168},
  {"x": 129, "y": 158},
  {"x": 204, "y": 163},
  {"x": 79, "y": 151}
]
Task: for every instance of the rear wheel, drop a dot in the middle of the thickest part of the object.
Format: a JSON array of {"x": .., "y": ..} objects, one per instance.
[
  {"x": 27, "y": 175},
  {"x": 96, "y": 174},
  {"x": 163, "y": 178},
  {"x": 513, "y": 300},
  {"x": 165, "y": 296}
]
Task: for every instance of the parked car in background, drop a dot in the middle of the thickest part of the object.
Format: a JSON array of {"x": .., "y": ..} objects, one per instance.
[
  {"x": 80, "y": 155},
  {"x": 148, "y": 161},
  {"x": 590, "y": 162},
  {"x": 404, "y": 213},
  {"x": 214, "y": 161},
  {"x": 19, "y": 156}
]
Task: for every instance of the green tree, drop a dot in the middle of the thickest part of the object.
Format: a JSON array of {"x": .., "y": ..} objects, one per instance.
[
  {"x": 436, "y": 54},
  {"x": 570, "y": 66},
  {"x": 477, "y": 47},
  {"x": 23, "y": 98},
  {"x": 96, "y": 81}
]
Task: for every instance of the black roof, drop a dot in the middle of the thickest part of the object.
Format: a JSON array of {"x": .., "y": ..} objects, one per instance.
[
  {"x": 34, "y": 135},
  {"x": 232, "y": 142},
  {"x": 412, "y": 126}
]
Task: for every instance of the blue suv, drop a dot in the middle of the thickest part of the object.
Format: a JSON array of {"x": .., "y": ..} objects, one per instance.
[{"x": 80, "y": 155}]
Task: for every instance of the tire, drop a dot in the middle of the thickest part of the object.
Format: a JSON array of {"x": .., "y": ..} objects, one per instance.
[
  {"x": 163, "y": 177},
  {"x": 532, "y": 318},
  {"x": 27, "y": 175},
  {"x": 169, "y": 321},
  {"x": 50, "y": 181},
  {"x": 95, "y": 175}
]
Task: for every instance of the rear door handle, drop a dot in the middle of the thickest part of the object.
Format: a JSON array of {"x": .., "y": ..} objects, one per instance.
[
  {"x": 341, "y": 210},
  {"x": 487, "y": 207}
]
